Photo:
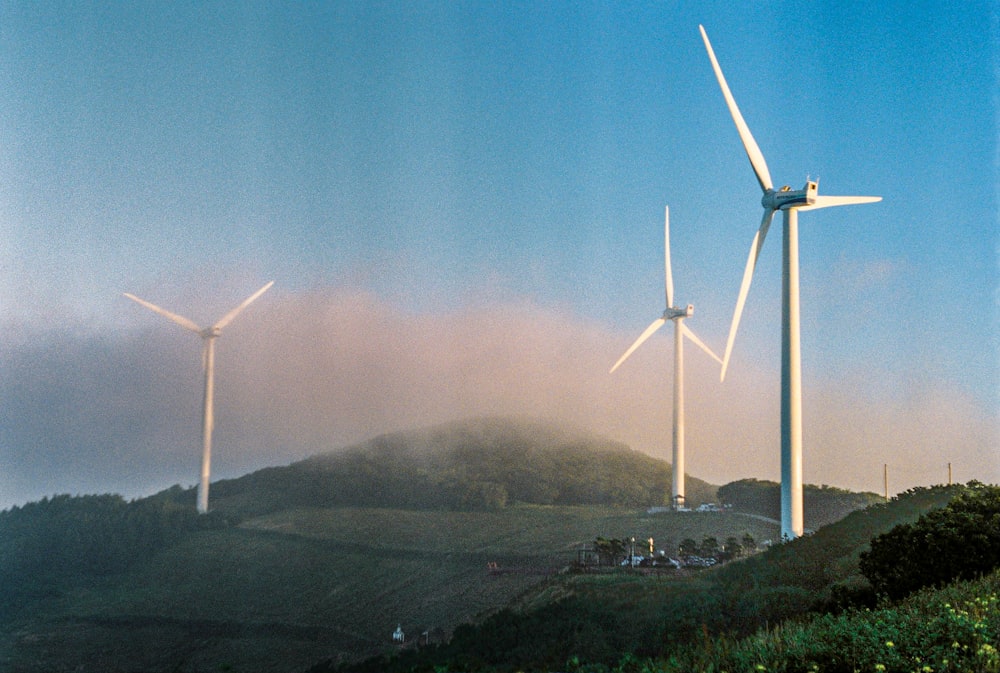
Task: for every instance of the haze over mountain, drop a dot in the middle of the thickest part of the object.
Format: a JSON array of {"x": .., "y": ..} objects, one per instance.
[
  {"x": 307, "y": 372},
  {"x": 475, "y": 464}
]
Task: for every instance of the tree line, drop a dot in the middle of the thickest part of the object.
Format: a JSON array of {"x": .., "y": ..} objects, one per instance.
[
  {"x": 53, "y": 543},
  {"x": 611, "y": 551},
  {"x": 821, "y": 504}
]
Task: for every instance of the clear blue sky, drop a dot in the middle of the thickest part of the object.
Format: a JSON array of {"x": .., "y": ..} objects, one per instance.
[{"x": 448, "y": 157}]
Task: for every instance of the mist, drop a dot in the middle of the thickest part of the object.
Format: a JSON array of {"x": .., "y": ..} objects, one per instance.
[{"x": 317, "y": 370}]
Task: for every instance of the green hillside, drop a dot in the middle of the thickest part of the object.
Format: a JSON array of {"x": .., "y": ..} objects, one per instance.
[
  {"x": 600, "y": 618},
  {"x": 821, "y": 505},
  {"x": 325, "y": 557},
  {"x": 320, "y": 561},
  {"x": 284, "y": 591},
  {"x": 480, "y": 464}
]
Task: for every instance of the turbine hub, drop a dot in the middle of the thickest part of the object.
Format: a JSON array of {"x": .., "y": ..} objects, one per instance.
[
  {"x": 673, "y": 313},
  {"x": 210, "y": 332}
]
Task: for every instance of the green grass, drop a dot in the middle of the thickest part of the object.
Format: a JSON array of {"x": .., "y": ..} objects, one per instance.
[
  {"x": 522, "y": 529},
  {"x": 596, "y": 620},
  {"x": 286, "y": 590},
  {"x": 955, "y": 629}
]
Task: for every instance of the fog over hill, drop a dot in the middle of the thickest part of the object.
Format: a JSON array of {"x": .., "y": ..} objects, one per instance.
[
  {"x": 307, "y": 371},
  {"x": 475, "y": 464}
]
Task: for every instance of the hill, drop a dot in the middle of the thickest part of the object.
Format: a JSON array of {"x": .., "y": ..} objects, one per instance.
[
  {"x": 820, "y": 504},
  {"x": 295, "y": 566},
  {"x": 473, "y": 465},
  {"x": 400, "y": 528},
  {"x": 283, "y": 591},
  {"x": 596, "y": 619}
]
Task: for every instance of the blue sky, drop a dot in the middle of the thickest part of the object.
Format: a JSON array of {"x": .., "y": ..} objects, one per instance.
[{"x": 449, "y": 161}]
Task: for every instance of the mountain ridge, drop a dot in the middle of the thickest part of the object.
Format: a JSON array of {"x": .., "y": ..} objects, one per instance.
[
  {"x": 482, "y": 463},
  {"x": 280, "y": 552}
]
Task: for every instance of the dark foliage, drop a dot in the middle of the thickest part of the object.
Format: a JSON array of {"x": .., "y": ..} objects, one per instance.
[
  {"x": 959, "y": 541},
  {"x": 48, "y": 545},
  {"x": 610, "y": 552},
  {"x": 509, "y": 640},
  {"x": 821, "y": 505}
]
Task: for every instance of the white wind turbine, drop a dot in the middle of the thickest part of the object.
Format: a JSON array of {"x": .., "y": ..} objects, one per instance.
[
  {"x": 681, "y": 330},
  {"x": 790, "y": 202},
  {"x": 208, "y": 335}
]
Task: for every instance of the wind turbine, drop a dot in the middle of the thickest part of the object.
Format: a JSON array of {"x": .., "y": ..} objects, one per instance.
[
  {"x": 681, "y": 330},
  {"x": 208, "y": 335},
  {"x": 790, "y": 202}
]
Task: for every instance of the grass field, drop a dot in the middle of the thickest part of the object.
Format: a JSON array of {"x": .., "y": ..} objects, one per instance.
[{"x": 286, "y": 590}]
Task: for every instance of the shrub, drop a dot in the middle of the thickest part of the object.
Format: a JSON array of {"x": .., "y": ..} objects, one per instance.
[{"x": 959, "y": 541}]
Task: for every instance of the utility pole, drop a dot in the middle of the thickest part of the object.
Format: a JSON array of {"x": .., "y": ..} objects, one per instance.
[
  {"x": 885, "y": 480},
  {"x": 949, "y": 474}
]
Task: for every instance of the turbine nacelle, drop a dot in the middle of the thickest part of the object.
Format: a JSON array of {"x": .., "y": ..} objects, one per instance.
[
  {"x": 786, "y": 197},
  {"x": 210, "y": 332},
  {"x": 675, "y": 313}
]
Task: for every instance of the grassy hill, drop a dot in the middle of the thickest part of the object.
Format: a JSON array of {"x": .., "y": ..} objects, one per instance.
[
  {"x": 321, "y": 560},
  {"x": 479, "y": 464},
  {"x": 286, "y": 590},
  {"x": 597, "y": 618},
  {"x": 821, "y": 504}
]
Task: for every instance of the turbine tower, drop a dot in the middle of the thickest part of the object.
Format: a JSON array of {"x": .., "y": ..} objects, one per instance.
[
  {"x": 681, "y": 330},
  {"x": 208, "y": 335},
  {"x": 790, "y": 202}
]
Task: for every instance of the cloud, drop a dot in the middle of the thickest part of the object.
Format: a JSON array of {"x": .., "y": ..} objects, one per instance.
[{"x": 321, "y": 369}]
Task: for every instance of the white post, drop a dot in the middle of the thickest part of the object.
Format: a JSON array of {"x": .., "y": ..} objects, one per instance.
[
  {"x": 207, "y": 425},
  {"x": 791, "y": 383},
  {"x": 678, "y": 457}
]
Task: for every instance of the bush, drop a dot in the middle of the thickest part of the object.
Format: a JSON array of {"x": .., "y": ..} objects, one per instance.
[
  {"x": 959, "y": 541},
  {"x": 953, "y": 630}
]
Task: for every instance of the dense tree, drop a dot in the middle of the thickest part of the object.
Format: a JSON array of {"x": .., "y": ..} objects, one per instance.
[
  {"x": 610, "y": 552},
  {"x": 52, "y": 543},
  {"x": 754, "y": 496},
  {"x": 484, "y": 495},
  {"x": 732, "y": 547},
  {"x": 709, "y": 547},
  {"x": 821, "y": 504},
  {"x": 959, "y": 541}
]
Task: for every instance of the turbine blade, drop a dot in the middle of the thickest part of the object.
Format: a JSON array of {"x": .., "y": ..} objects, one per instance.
[
  {"x": 698, "y": 342},
  {"x": 830, "y": 201},
  {"x": 657, "y": 324},
  {"x": 755, "y": 247},
  {"x": 749, "y": 144},
  {"x": 179, "y": 319},
  {"x": 666, "y": 255},
  {"x": 228, "y": 318}
]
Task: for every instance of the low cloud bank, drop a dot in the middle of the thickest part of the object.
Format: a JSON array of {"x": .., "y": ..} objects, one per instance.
[{"x": 308, "y": 372}]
